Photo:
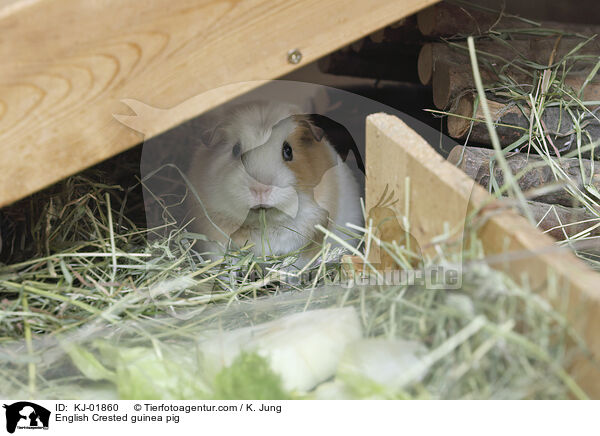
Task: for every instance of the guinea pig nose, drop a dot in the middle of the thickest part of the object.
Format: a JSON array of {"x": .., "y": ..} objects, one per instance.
[{"x": 261, "y": 193}]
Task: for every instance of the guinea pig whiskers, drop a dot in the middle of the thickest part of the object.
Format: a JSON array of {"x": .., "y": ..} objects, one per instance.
[{"x": 310, "y": 239}]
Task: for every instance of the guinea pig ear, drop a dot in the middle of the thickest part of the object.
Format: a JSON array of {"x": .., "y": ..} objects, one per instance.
[
  {"x": 211, "y": 136},
  {"x": 315, "y": 130}
]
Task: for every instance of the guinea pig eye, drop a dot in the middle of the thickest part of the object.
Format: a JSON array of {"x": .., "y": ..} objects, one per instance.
[
  {"x": 237, "y": 149},
  {"x": 286, "y": 152}
]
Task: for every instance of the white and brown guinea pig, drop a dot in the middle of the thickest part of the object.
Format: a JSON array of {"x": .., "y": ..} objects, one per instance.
[{"x": 266, "y": 156}]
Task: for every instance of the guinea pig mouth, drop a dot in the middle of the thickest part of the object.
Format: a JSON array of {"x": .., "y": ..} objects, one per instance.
[{"x": 261, "y": 206}]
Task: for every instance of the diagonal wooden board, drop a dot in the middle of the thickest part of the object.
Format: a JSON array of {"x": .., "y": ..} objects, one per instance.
[
  {"x": 442, "y": 194},
  {"x": 67, "y": 64}
]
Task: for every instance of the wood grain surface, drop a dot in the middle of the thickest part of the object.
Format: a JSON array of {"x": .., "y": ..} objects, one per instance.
[{"x": 67, "y": 64}]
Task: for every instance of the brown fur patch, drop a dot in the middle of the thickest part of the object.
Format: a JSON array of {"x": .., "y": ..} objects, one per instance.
[{"x": 312, "y": 159}]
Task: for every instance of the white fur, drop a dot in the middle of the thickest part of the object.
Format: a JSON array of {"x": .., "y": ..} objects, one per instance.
[{"x": 223, "y": 184}]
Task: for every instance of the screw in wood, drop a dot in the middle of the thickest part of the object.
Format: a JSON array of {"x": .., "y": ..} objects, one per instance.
[{"x": 294, "y": 56}]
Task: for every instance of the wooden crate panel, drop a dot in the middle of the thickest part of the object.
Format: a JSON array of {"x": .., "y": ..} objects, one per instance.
[
  {"x": 67, "y": 64},
  {"x": 440, "y": 194}
]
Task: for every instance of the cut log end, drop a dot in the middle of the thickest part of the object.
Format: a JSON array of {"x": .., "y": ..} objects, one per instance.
[
  {"x": 458, "y": 126},
  {"x": 425, "y": 64},
  {"x": 426, "y": 21}
]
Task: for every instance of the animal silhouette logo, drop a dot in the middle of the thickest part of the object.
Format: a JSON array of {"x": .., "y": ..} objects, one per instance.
[
  {"x": 388, "y": 228},
  {"x": 26, "y": 415},
  {"x": 250, "y": 164}
]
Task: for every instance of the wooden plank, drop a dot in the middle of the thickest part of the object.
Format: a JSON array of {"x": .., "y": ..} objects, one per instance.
[
  {"x": 440, "y": 193},
  {"x": 66, "y": 65}
]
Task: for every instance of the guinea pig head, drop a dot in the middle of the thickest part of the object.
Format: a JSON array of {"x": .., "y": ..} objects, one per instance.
[
  {"x": 263, "y": 158},
  {"x": 294, "y": 154}
]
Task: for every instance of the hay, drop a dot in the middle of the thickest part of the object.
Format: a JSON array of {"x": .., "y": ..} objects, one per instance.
[
  {"x": 78, "y": 269},
  {"x": 81, "y": 269}
]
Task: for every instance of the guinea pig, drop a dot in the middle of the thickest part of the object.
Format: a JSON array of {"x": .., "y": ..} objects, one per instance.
[{"x": 265, "y": 176}]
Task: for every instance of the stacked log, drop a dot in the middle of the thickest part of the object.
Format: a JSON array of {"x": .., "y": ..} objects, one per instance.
[
  {"x": 475, "y": 162},
  {"x": 445, "y": 19},
  {"x": 522, "y": 61},
  {"x": 553, "y": 211},
  {"x": 562, "y": 222},
  {"x": 513, "y": 55},
  {"x": 388, "y": 54},
  {"x": 512, "y": 121},
  {"x": 448, "y": 68}
]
